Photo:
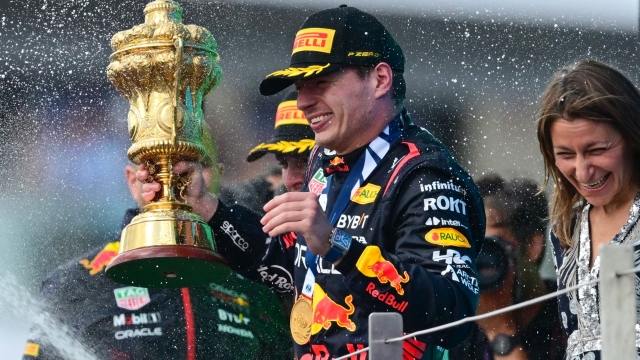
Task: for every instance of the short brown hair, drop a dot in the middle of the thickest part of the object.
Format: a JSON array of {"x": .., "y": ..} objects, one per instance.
[
  {"x": 398, "y": 87},
  {"x": 593, "y": 91}
]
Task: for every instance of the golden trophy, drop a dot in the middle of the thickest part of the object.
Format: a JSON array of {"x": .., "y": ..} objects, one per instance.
[{"x": 165, "y": 69}]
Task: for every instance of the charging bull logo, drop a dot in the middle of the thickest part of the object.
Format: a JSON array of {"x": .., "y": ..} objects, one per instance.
[
  {"x": 372, "y": 264},
  {"x": 387, "y": 273},
  {"x": 103, "y": 258},
  {"x": 327, "y": 311},
  {"x": 337, "y": 164},
  {"x": 336, "y": 161}
]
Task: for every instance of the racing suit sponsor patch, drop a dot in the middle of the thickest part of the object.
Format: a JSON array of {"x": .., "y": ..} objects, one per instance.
[
  {"x": 235, "y": 237},
  {"x": 366, "y": 194},
  {"x": 276, "y": 277},
  {"x": 32, "y": 349},
  {"x": 447, "y": 237},
  {"x": 131, "y": 297},
  {"x": 452, "y": 257},
  {"x": 327, "y": 312},
  {"x": 318, "y": 182},
  {"x": 447, "y": 203},
  {"x": 437, "y": 185},
  {"x": 372, "y": 264},
  {"x": 136, "y": 319},
  {"x": 103, "y": 258},
  {"x": 235, "y": 331},
  {"x": 386, "y": 298},
  {"x": 462, "y": 277},
  {"x": 227, "y": 316},
  {"x": 352, "y": 221},
  {"x": 134, "y": 333}
]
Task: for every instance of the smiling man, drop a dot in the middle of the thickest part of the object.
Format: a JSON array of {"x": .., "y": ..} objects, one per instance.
[{"x": 384, "y": 209}]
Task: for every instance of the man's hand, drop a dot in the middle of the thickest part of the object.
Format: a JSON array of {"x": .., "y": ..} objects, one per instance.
[
  {"x": 196, "y": 194},
  {"x": 299, "y": 212}
]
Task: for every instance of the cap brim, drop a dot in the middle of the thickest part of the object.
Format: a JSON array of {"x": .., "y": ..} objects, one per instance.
[
  {"x": 282, "y": 79},
  {"x": 256, "y": 154},
  {"x": 281, "y": 146}
]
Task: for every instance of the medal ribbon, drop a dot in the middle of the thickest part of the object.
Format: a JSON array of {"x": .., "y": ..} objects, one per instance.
[{"x": 368, "y": 161}]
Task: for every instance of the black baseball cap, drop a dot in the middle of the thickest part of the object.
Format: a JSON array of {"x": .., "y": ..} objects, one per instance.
[
  {"x": 331, "y": 39},
  {"x": 293, "y": 135}
]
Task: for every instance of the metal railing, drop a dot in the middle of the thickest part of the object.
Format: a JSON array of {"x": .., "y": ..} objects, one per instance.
[{"x": 617, "y": 312}]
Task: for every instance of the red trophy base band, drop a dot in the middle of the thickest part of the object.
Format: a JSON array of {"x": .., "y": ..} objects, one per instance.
[{"x": 168, "y": 266}]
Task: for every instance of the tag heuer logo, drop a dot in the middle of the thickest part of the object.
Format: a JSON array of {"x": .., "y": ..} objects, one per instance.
[
  {"x": 132, "y": 298},
  {"x": 318, "y": 183}
]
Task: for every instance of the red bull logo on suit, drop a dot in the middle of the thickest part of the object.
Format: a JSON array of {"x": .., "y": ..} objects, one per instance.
[
  {"x": 326, "y": 312},
  {"x": 372, "y": 264},
  {"x": 103, "y": 258}
]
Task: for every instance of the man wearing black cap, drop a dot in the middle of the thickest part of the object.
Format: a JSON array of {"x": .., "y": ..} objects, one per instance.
[
  {"x": 292, "y": 142},
  {"x": 387, "y": 220}
]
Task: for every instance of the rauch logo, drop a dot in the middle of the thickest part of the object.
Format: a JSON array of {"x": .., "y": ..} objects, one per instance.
[
  {"x": 366, "y": 194},
  {"x": 447, "y": 237}
]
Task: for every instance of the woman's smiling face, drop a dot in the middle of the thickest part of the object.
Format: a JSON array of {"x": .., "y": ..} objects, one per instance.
[{"x": 595, "y": 159}]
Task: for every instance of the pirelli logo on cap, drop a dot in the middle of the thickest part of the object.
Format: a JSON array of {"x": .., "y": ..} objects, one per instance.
[
  {"x": 288, "y": 114},
  {"x": 314, "y": 39}
]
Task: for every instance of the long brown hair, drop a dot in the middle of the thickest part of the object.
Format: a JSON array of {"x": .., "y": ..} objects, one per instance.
[{"x": 592, "y": 91}]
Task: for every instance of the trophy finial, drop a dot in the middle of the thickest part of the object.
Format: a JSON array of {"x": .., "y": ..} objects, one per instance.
[{"x": 162, "y": 11}]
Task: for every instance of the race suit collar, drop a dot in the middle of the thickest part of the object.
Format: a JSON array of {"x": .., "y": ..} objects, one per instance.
[{"x": 332, "y": 163}]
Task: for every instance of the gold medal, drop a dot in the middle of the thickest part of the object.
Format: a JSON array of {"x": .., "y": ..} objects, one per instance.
[{"x": 300, "y": 322}]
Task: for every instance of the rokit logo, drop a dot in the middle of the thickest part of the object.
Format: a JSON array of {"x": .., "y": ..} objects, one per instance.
[
  {"x": 233, "y": 234},
  {"x": 276, "y": 277},
  {"x": 136, "y": 319},
  {"x": 446, "y": 203}
]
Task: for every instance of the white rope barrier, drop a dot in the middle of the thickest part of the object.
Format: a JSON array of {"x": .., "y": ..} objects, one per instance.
[
  {"x": 490, "y": 314},
  {"x": 493, "y": 313}
]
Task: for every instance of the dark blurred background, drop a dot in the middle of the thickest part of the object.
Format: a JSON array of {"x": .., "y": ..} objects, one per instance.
[{"x": 475, "y": 71}]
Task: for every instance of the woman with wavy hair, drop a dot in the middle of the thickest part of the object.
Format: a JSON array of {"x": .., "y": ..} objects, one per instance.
[{"x": 589, "y": 135}]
